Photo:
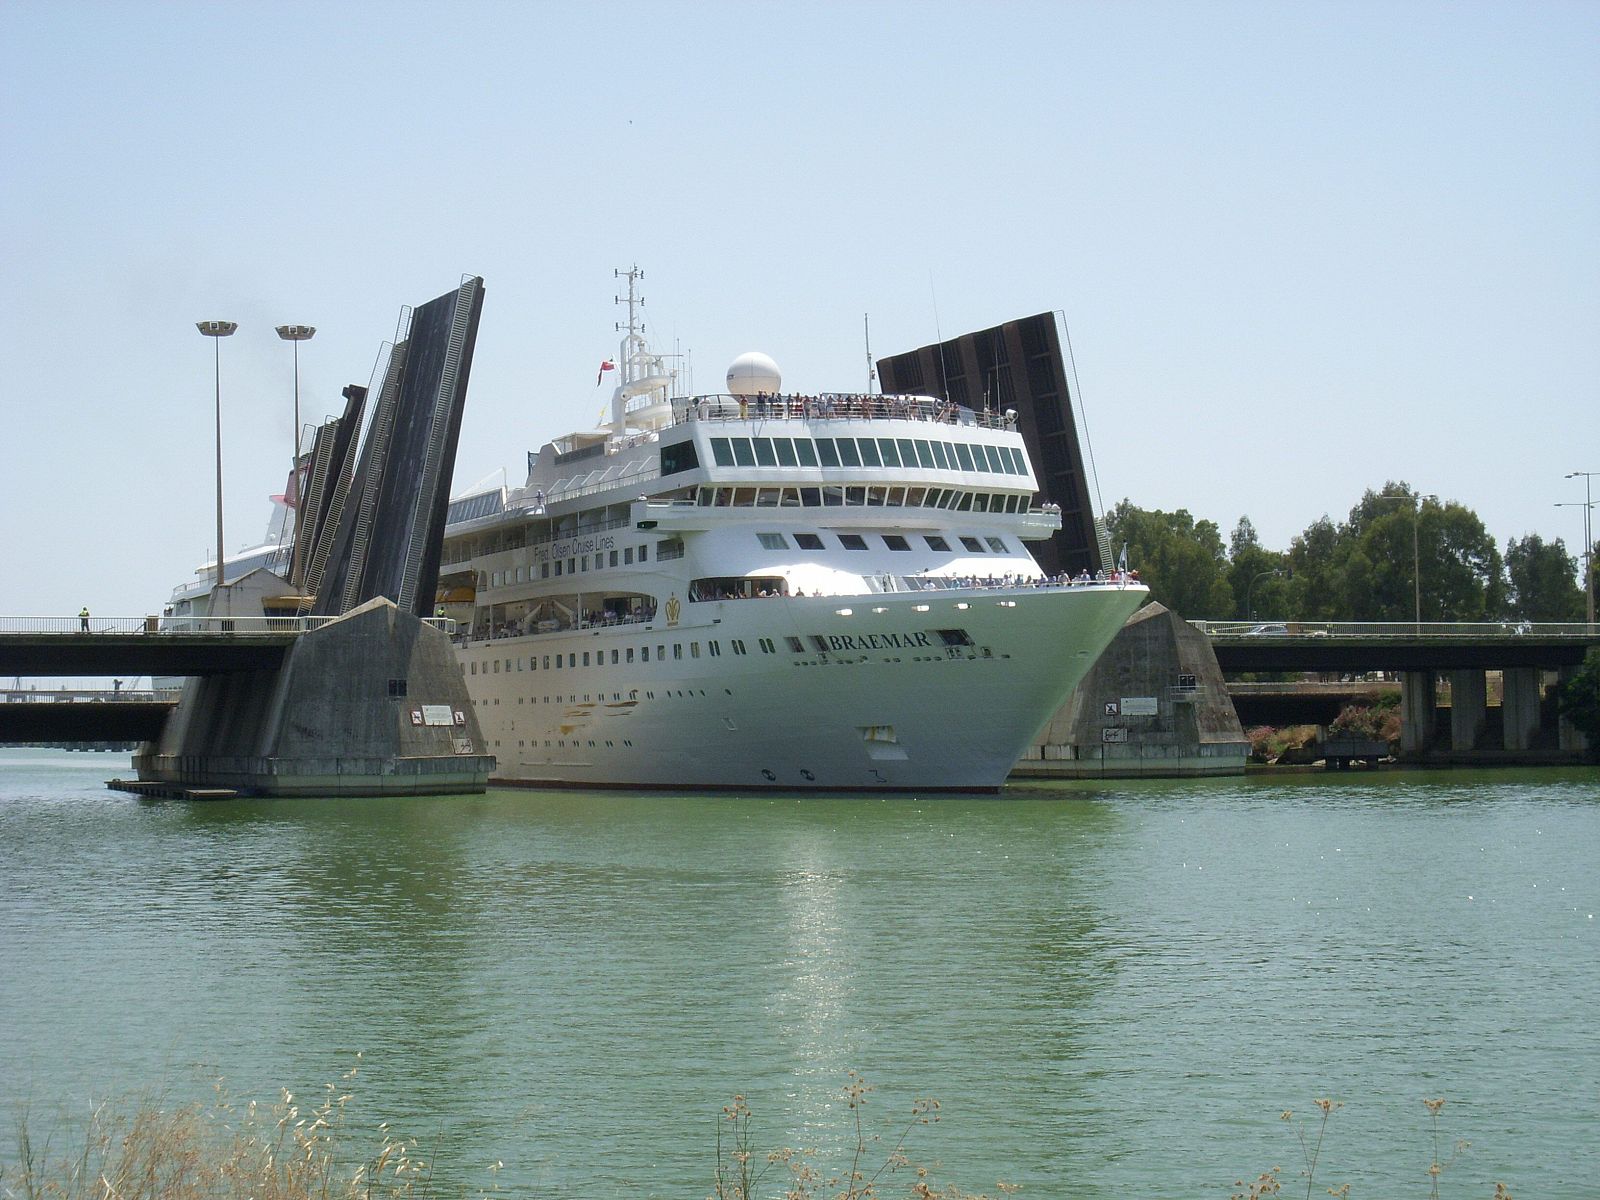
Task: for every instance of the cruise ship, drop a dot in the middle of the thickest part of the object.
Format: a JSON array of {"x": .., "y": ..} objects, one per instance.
[{"x": 758, "y": 589}]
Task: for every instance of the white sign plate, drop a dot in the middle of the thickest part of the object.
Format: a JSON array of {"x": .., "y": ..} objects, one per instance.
[
  {"x": 437, "y": 714},
  {"x": 1139, "y": 706}
]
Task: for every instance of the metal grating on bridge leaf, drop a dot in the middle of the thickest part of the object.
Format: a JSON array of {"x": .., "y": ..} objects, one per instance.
[
  {"x": 1018, "y": 366},
  {"x": 385, "y": 537}
]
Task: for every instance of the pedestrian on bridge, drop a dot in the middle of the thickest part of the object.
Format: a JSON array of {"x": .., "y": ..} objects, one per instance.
[{"x": 83, "y": 619}]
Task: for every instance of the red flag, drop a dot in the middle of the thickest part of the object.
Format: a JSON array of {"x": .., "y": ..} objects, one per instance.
[{"x": 608, "y": 365}]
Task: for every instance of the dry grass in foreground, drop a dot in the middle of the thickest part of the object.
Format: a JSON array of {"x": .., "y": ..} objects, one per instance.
[
  {"x": 878, "y": 1165},
  {"x": 1270, "y": 1182},
  {"x": 218, "y": 1152}
]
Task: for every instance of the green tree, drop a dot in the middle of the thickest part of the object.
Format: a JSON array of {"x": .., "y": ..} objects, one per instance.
[
  {"x": 1579, "y": 701},
  {"x": 1257, "y": 577},
  {"x": 1317, "y": 562},
  {"x": 1394, "y": 539},
  {"x": 1181, "y": 559},
  {"x": 1543, "y": 580}
]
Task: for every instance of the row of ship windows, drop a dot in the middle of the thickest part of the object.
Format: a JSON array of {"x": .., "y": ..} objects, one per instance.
[
  {"x": 575, "y": 659},
  {"x": 668, "y": 549},
  {"x": 867, "y": 452},
  {"x": 891, "y": 541},
  {"x": 673, "y": 548},
  {"x": 864, "y": 496}
]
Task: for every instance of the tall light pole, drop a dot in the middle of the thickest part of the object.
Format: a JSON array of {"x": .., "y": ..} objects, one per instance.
[
  {"x": 1588, "y": 538},
  {"x": 1416, "y": 552},
  {"x": 216, "y": 331},
  {"x": 296, "y": 334},
  {"x": 1250, "y": 592}
]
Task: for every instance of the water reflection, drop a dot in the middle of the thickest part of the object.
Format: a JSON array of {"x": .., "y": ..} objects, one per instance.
[{"x": 1118, "y": 986}]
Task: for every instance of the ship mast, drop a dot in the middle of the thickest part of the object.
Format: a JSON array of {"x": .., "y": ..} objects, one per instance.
[{"x": 639, "y": 371}]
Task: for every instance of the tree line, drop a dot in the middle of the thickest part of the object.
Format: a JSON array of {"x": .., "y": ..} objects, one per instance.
[{"x": 1395, "y": 546}]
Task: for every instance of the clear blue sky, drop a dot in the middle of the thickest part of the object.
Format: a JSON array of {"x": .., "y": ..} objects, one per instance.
[{"x": 1301, "y": 248}]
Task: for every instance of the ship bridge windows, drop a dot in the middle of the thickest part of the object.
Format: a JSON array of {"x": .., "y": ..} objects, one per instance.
[
  {"x": 808, "y": 541},
  {"x": 916, "y": 453},
  {"x": 773, "y": 541},
  {"x": 973, "y": 544},
  {"x": 935, "y": 542},
  {"x": 852, "y": 541},
  {"x": 737, "y": 587},
  {"x": 680, "y": 456},
  {"x": 668, "y": 549},
  {"x": 895, "y": 542},
  {"x": 839, "y": 495}
]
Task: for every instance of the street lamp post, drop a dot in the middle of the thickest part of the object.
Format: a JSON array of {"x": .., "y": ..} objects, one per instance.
[
  {"x": 1250, "y": 592},
  {"x": 1588, "y": 538},
  {"x": 1416, "y": 552},
  {"x": 216, "y": 331},
  {"x": 296, "y": 334}
]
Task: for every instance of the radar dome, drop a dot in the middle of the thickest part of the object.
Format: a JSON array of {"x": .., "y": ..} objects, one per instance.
[{"x": 752, "y": 374}]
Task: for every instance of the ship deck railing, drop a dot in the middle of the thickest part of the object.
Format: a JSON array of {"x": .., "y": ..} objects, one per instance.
[
  {"x": 549, "y": 625},
  {"x": 257, "y": 626},
  {"x": 876, "y": 585},
  {"x": 834, "y": 406},
  {"x": 521, "y": 543}
]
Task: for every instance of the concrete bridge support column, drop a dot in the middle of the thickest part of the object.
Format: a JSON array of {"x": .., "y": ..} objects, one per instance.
[
  {"x": 1519, "y": 706},
  {"x": 1469, "y": 709},
  {"x": 1418, "y": 703},
  {"x": 1567, "y": 734}
]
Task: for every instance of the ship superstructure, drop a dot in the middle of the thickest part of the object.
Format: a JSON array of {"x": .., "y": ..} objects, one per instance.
[{"x": 764, "y": 589}]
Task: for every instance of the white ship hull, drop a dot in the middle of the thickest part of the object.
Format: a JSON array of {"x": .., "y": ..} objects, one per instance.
[{"x": 888, "y": 706}]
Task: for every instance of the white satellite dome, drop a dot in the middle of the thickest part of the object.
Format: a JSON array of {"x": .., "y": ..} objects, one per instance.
[{"x": 752, "y": 374}]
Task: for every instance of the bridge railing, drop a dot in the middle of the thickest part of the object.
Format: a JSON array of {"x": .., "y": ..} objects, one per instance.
[
  {"x": 204, "y": 626},
  {"x": 1268, "y": 630}
]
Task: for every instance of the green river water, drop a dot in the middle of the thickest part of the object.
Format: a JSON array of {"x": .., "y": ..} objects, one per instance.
[{"x": 1112, "y": 989}]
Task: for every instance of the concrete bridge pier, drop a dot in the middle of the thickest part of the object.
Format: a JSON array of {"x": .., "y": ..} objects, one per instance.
[
  {"x": 1519, "y": 706},
  {"x": 1469, "y": 708},
  {"x": 1418, "y": 703}
]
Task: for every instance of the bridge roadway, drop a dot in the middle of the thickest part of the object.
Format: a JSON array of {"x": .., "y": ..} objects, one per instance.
[
  {"x": 130, "y": 647},
  {"x": 1339, "y": 647},
  {"x": 128, "y": 655}
]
